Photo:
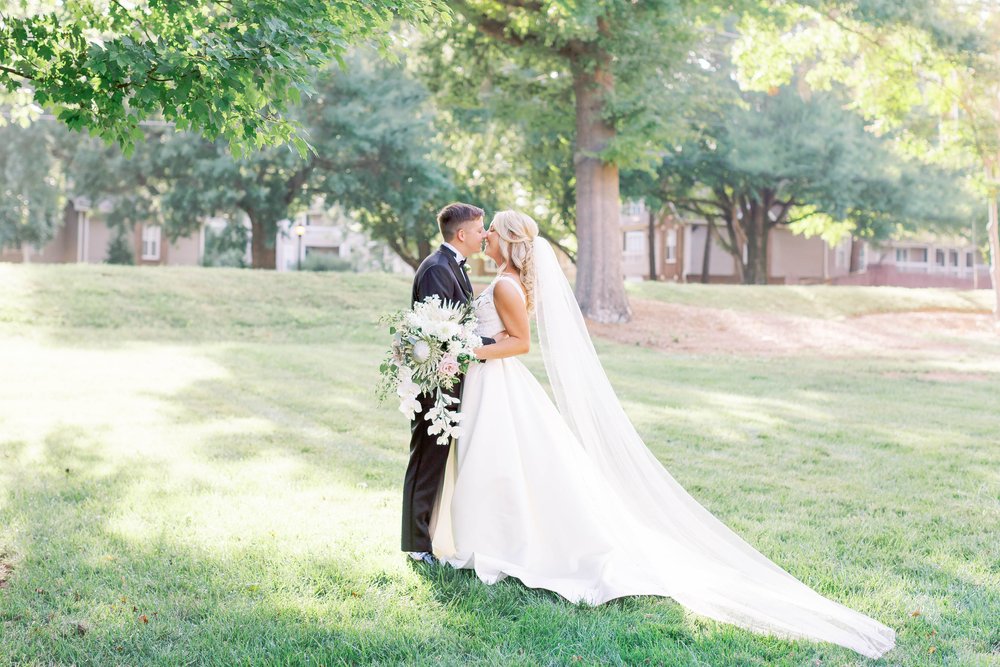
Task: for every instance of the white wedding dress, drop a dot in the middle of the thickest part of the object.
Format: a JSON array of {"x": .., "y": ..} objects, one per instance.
[{"x": 569, "y": 499}]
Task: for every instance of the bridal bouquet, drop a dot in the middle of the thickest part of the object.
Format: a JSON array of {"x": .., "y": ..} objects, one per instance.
[{"x": 431, "y": 348}]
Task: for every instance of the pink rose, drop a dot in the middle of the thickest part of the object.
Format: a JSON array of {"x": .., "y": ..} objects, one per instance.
[{"x": 448, "y": 365}]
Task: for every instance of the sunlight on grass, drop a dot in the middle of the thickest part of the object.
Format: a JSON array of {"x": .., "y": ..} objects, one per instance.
[
  {"x": 203, "y": 448},
  {"x": 823, "y": 301}
]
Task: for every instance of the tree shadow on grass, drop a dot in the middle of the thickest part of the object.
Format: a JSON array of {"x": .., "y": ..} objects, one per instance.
[
  {"x": 306, "y": 403},
  {"x": 84, "y": 584},
  {"x": 86, "y": 592},
  {"x": 260, "y": 410}
]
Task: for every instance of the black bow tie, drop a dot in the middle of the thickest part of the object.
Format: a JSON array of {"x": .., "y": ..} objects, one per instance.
[{"x": 462, "y": 263}]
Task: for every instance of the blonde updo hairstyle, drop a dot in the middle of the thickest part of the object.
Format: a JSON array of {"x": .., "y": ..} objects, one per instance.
[{"x": 517, "y": 232}]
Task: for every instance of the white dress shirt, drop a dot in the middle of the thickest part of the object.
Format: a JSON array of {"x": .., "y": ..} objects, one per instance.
[{"x": 458, "y": 256}]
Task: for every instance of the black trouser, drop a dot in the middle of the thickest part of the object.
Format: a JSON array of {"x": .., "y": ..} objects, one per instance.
[{"x": 423, "y": 478}]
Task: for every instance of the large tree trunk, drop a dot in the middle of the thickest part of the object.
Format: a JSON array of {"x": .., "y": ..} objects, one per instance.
[
  {"x": 263, "y": 256},
  {"x": 706, "y": 256},
  {"x": 423, "y": 250},
  {"x": 736, "y": 220},
  {"x": 856, "y": 246},
  {"x": 600, "y": 285},
  {"x": 757, "y": 230}
]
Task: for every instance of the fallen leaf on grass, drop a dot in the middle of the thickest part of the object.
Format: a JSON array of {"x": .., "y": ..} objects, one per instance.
[
  {"x": 932, "y": 649},
  {"x": 144, "y": 618},
  {"x": 915, "y": 613},
  {"x": 5, "y": 570}
]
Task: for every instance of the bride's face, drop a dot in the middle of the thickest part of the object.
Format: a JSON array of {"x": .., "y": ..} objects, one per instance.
[{"x": 492, "y": 249}]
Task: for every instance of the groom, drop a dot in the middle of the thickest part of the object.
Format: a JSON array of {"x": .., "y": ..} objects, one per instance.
[{"x": 442, "y": 274}]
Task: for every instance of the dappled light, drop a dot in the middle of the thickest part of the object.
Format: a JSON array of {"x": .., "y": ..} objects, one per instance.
[
  {"x": 227, "y": 226},
  {"x": 242, "y": 492}
]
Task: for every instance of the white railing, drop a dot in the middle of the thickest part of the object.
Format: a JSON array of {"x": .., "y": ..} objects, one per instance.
[{"x": 934, "y": 269}]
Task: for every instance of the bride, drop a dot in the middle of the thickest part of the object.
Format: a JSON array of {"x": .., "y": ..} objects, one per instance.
[{"x": 569, "y": 499}]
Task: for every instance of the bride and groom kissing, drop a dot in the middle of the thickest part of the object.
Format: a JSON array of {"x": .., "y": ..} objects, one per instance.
[{"x": 564, "y": 495}]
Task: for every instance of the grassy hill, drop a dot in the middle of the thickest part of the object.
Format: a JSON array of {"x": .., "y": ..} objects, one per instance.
[{"x": 193, "y": 470}]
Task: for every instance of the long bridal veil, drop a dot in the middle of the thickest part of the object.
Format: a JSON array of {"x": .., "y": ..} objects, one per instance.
[{"x": 724, "y": 578}]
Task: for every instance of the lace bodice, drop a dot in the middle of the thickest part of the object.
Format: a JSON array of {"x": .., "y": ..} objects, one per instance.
[{"x": 490, "y": 323}]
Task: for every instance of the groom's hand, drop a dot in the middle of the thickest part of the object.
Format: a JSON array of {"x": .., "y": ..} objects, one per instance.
[{"x": 499, "y": 337}]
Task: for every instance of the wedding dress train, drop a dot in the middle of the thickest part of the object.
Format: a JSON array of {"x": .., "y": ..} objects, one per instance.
[{"x": 569, "y": 499}]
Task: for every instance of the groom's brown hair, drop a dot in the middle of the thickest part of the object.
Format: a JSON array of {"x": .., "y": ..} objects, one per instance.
[{"x": 453, "y": 216}]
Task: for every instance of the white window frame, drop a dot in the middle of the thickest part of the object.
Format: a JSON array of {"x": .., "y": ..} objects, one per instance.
[
  {"x": 151, "y": 240},
  {"x": 840, "y": 256},
  {"x": 635, "y": 242},
  {"x": 671, "y": 253},
  {"x": 632, "y": 208}
]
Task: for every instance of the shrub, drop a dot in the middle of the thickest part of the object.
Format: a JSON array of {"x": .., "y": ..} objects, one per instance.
[
  {"x": 120, "y": 250},
  {"x": 325, "y": 262}
]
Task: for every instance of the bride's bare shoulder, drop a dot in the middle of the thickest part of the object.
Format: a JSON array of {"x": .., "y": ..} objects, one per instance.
[
  {"x": 512, "y": 277},
  {"x": 509, "y": 290}
]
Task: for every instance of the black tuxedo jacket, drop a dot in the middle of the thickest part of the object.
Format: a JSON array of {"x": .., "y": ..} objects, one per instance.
[{"x": 440, "y": 274}]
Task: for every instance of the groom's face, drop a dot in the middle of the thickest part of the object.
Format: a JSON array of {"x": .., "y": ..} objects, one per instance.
[{"x": 471, "y": 235}]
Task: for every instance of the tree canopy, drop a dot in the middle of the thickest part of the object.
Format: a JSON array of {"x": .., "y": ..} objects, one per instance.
[
  {"x": 224, "y": 68},
  {"x": 375, "y": 151},
  {"x": 32, "y": 185},
  {"x": 587, "y": 84},
  {"x": 781, "y": 159},
  {"x": 928, "y": 71}
]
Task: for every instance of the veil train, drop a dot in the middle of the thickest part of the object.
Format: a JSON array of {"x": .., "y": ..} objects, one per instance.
[{"x": 728, "y": 580}]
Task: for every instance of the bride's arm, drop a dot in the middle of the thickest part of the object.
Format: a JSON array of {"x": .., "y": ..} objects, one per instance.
[{"x": 514, "y": 316}]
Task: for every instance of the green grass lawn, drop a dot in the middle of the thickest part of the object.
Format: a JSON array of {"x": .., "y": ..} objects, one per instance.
[
  {"x": 193, "y": 470},
  {"x": 815, "y": 300}
]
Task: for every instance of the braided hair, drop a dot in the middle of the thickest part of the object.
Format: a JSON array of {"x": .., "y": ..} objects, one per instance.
[{"x": 517, "y": 233}]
